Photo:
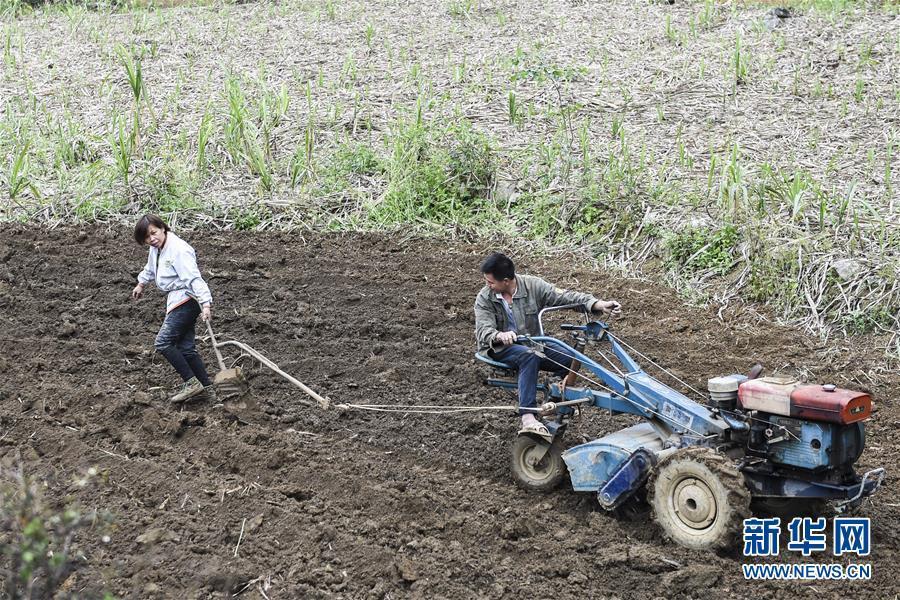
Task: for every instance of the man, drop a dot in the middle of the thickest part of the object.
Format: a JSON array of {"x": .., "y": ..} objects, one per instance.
[{"x": 507, "y": 307}]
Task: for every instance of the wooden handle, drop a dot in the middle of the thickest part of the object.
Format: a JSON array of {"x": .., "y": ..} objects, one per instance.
[
  {"x": 215, "y": 345},
  {"x": 572, "y": 374}
]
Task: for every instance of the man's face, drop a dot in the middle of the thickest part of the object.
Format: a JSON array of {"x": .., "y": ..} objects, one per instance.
[
  {"x": 498, "y": 286},
  {"x": 156, "y": 237}
]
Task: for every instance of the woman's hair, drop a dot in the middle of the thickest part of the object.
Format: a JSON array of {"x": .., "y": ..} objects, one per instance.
[{"x": 144, "y": 223}]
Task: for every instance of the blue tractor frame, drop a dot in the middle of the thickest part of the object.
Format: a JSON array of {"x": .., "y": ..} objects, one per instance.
[{"x": 617, "y": 466}]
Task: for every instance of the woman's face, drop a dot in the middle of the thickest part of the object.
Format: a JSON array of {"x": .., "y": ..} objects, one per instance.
[{"x": 156, "y": 237}]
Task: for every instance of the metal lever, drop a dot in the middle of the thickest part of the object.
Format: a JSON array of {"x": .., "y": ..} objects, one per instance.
[{"x": 879, "y": 472}]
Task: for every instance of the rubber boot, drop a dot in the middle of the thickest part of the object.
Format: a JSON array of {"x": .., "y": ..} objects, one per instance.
[{"x": 191, "y": 388}]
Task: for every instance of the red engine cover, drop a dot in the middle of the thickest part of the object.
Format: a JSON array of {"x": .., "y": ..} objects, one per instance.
[{"x": 815, "y": 403}]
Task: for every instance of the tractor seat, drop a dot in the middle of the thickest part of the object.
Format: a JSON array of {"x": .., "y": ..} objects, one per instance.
[{"x": 495, "y": 363}]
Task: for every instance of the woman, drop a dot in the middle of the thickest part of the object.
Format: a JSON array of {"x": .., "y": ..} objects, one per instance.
[{"x": 172, "y": 266}]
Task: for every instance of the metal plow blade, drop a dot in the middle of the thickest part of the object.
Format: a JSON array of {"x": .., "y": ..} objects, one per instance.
[{"x": 231, "y": 384}]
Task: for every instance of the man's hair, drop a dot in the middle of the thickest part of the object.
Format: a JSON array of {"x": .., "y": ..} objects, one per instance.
[
  {"x": 144, "y": 223},
  {"x": 499, "y": 265}
]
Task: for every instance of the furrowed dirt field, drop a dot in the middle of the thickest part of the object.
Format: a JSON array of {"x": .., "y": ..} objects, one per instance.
[{"x": 354, "y": 504}]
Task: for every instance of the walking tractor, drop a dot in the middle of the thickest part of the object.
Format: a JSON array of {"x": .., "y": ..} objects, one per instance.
[{"x": 770, "y": 440}]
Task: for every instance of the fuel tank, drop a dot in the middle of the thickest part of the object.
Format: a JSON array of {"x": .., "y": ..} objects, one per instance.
[{"x": 790, "y": 398}]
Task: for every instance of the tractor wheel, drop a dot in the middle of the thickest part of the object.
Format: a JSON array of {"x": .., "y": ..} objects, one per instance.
[
  {"x": 699, "y": 499},
  {"x": 536, "y": 465}
]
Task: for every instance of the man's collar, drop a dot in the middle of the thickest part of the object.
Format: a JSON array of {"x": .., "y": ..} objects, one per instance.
[{"x": 521, "y": 292}]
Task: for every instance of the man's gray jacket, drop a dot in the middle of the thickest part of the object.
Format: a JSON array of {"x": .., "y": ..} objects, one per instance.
[{"x": 532, "y": 295}]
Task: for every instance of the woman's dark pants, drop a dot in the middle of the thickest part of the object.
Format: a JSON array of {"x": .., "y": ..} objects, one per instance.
[{"x": 175, "y": 341}]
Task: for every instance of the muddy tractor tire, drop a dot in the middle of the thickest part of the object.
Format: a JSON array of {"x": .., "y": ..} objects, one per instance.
[
  {"x": 699, "y": 499},
  {"x": 537, "y": 465}
]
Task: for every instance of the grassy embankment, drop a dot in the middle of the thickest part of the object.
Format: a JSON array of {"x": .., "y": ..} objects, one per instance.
[{"x": 720, "y": 148}]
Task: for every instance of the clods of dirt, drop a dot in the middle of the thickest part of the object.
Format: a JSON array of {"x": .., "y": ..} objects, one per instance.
[{"x": 270, "y": 495}]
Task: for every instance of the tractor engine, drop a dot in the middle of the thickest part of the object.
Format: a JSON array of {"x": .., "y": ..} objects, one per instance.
[
  {"x": 799, "y": 426},
  {"x": 810, "y": 427}
]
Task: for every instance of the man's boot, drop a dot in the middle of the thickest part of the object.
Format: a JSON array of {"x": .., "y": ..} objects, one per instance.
[{"x": 191, "y": 388}]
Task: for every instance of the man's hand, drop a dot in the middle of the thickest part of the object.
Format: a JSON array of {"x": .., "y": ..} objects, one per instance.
[
  {"x": 206, "y": 313},
  {"x": 506, "y": 338},
  {"x": 610, "y": 307},
  {"x": 138, "y": 291}
]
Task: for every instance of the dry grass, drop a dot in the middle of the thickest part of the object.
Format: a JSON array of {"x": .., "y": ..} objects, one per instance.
[{"x": 709, "y": 115}]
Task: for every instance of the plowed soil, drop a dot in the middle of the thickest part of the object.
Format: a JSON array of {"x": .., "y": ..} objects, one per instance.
[{"x": 352, "y": 504}]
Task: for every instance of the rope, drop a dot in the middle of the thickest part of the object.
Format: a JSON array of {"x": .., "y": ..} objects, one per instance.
[
  {"x": 627, "y": 399},
  {"x": 661, "y": 368},
  {"x": 611, "y": 363},
  {"x": 428, "y": 409}
]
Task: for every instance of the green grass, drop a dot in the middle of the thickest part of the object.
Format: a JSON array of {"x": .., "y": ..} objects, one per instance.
[
  {"x": 654, "y": 156},
  {"x": 434, "y": 173},
  {"x": 39, "y": 543},
  {"x": 18, "y": 181},
  {"x": 703, "y": 249}
]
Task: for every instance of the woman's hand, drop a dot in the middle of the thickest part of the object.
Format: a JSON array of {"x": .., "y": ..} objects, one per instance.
[
  {"x": 206, "y": 313},
  {"x": 138, "y": 291}
]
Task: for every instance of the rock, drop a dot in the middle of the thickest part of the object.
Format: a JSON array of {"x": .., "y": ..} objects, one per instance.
[
  {"x": 506, "y": 191},
  {"x": 254, "y": 523},
  {"x": 776, "y": 17},
  {"x": 691, "y": 580},
  {"x": 151, "y": 588},
  {"x": 67, "y": 329},
  {"x": 577, "y": 577},
  {"x": 781, "y": 13},
  {"x": 406, "y": 569},
  {"x": 156, "y": 535},
  {"x": 516, "y": 530},
  {"x": 848, "y": 269},
  {"x": 390, "y": 374}
]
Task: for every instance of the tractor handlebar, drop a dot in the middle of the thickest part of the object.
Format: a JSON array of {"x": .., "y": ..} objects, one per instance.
[{"x": 576, "y": 307}]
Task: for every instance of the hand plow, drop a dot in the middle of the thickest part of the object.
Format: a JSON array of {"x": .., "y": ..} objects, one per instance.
[{"x": 232, "y": 382}]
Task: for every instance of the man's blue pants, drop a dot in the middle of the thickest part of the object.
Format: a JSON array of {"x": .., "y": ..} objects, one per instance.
[{"x": 557, "y": 360}]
